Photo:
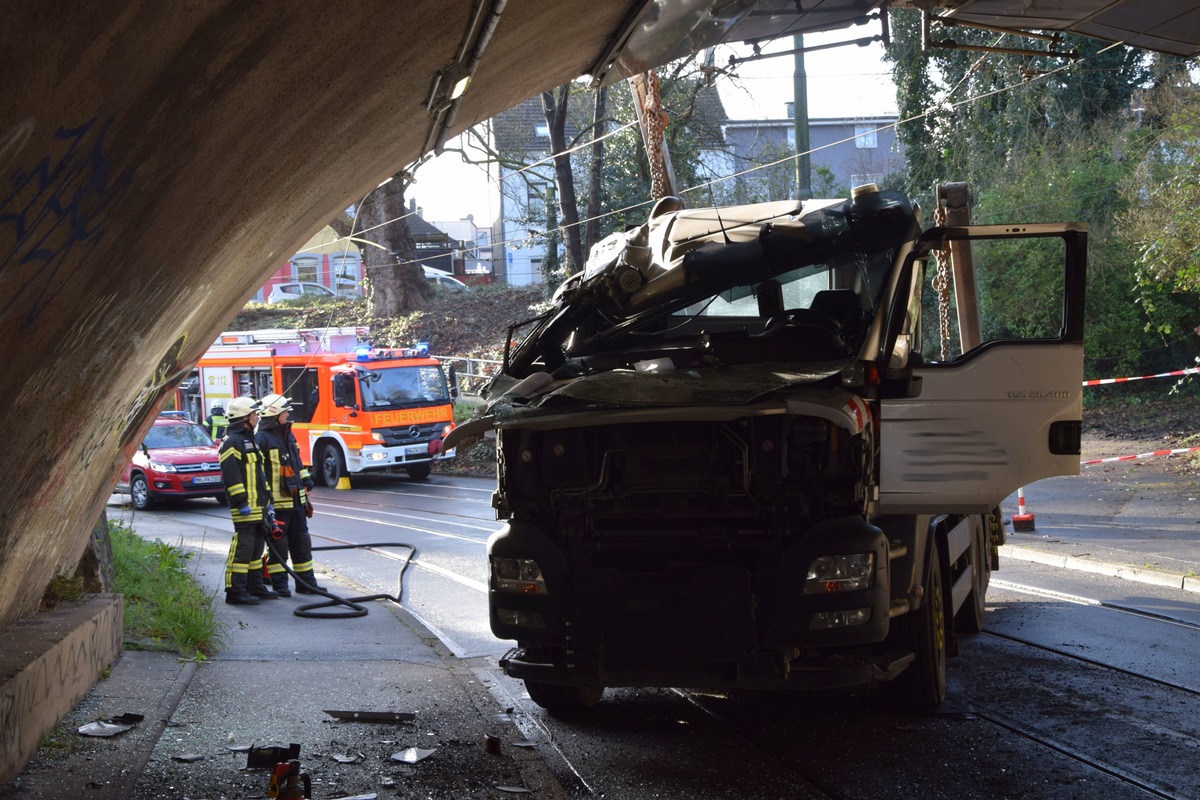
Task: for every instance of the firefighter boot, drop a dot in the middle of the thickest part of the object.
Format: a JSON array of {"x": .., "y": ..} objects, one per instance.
[
  {"x": 279, "y": 585},
  {"x": 255, "y": 585},
  {"x": 236, "y": 594},
  {"x": 306, "y": 583}
]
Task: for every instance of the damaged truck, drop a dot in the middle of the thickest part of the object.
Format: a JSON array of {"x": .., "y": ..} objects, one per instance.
[{"x": 764, "y": 446}]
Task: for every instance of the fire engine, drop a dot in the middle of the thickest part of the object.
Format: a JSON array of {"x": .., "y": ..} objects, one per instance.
[{"x": 356, "y": 408}]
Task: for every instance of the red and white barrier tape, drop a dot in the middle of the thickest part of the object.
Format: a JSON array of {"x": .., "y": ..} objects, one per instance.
[
  {"x": 1139, "y": 455},
  {"x": 1105, "y": 381}
]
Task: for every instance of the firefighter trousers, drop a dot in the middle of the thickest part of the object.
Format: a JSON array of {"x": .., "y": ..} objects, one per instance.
[
  {"x": 243, "y": 567},
  {"x": 296, "y": 544}
]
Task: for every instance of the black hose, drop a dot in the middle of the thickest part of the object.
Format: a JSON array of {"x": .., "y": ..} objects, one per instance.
[{"x": 355, "y": 610}]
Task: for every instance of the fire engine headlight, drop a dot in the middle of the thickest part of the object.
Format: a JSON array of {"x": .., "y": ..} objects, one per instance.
[
  {"x": 823, "y": 620},
  {"x": 377, "y": 437},
  {"x": 446, "y": 430},
  {"x": 518, "y": 575},
  {"x": 831, "y": 574},
  {"x": 160, "y": 467}
]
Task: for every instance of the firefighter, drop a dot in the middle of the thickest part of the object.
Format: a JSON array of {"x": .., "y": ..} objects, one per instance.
[
  {"x": 249, "y": 493},
  {"x": 291, "y": 483},
  {"x": 216, "y": 422}
]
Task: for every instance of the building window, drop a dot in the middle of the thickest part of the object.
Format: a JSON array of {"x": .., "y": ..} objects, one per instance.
[
  {"x": 864, "y": 137},
  {"x": 542, "y": 131},
  {"x": 306, "y": 268}
]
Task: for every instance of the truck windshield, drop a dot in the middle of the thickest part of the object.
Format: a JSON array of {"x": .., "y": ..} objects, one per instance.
[{"x": 401, "y": 387}]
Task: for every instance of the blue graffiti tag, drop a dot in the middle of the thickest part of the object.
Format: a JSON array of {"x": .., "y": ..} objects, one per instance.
[{"x": 57, "y": 211}]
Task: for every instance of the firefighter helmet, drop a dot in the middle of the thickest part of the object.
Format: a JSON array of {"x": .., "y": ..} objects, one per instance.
[
  {"x": 275, "y": 404},
  {"x": 241, "y": 408}
]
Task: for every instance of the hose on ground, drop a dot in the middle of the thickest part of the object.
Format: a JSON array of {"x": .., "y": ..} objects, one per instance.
[{"x": 353, "y": 607}]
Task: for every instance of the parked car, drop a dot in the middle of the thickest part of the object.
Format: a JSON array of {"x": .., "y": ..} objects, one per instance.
[
  {"x": 299, "y": 290},
  {"x": 177, "y": 459},
  {"x": 444, "y": 281}
]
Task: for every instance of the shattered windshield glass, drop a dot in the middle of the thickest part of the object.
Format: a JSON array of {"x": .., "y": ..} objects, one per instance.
[{"x": 769, "y": 282}]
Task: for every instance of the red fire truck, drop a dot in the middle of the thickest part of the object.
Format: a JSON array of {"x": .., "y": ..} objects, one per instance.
[{"x": 357, "y": 408}]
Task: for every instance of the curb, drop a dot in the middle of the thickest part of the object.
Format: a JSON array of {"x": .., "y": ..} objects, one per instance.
[{"x": 1171, "y": 580}]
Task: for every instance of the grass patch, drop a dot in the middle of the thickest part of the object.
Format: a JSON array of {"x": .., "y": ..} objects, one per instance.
[{"x": 165, "y": 609}]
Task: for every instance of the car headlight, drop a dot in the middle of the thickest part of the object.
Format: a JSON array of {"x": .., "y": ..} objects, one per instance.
[
  {"x": 832, "y": 574},
  {"x": 518, "y": 575},
  {"x": 158, "y": 466}
]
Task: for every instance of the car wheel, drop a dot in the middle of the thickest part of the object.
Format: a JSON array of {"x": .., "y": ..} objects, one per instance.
[
  {"x": 559, "y": 699},
  {"x": 922, "y": 685},
  {"x": 418, "y": 472},
  {"x": 139, "y": 492},
  {"x": 333, "y": 465}
]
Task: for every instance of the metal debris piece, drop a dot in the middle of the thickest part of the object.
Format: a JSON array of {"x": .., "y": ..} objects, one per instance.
[
  {"x": 370, "y": 796},
  {"x": 348, "y": 759},
  {"x": 514, "y": 789},
  {"x": 491, "y": 744},
  {"x": 387, "y": 782},
  {"x": 412, "y": 755},
  {"x": 374, "y": 716},
  {"x": 268, "y": 757},
  {"x": 103, "y": 729},
  {"x": 126, "y": 719},
  {"x": 188, "y": 758},
  {"x": 524, "y": 743},
  {"x": 239, "y": 748}
]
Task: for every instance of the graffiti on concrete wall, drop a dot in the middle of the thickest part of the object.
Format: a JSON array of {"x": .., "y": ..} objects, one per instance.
[
  {"x": 40, "y": 692},
  {"x": 54, "y": 214},
  {"x": 167, "y": 375}
]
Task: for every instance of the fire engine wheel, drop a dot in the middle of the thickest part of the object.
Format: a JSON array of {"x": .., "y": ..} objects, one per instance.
[
  {"x": 139, "y": 492},
  {"x": 969, "y": 618},
  {"x": 922, "y": 685},
  {"x": 333, "y": 465},
  {"x": 418, "y": 472},
  {"x": 559, "y": 699}
]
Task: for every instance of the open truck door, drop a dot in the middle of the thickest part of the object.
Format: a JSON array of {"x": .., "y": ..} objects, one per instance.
[{"x": 987, "y": 418}]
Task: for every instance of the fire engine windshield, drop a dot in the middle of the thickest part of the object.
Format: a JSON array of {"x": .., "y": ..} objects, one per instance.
[{"x": 402, "y": 387}]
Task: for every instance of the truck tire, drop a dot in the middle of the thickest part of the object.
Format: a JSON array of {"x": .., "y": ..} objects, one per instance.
[
  {"x": 418, "y": 472},
  {"x": 922, "y": 685},
  {"x": 565, "y": 700},
  {"x": 331, "y": 465},
  {"x": 139, "y": 492},
  {"x": 970, "y": 616}
]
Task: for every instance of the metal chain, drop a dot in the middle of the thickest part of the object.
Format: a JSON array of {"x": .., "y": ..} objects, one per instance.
[
  {"x": 656, "y": 123},
  {"x": 941, "y": 285}
]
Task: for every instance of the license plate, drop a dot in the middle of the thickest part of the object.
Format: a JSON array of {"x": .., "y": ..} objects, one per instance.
[
  {"x": 417, "y": 450},
  {"x": 207, "y": 479}
]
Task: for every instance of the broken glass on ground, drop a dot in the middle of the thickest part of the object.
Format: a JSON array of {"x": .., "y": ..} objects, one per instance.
[{"x": 412, "y": 755}]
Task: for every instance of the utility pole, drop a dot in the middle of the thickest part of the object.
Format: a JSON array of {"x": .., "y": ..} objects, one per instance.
[{"x": 800, "y": 121}]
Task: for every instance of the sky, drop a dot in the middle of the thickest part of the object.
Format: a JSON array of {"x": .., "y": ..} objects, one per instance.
[{"x": 848, "y": 81}]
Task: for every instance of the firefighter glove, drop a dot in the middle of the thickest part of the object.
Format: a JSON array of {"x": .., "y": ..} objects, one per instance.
[
  {"x": 244, "y": 510},
  {"x": 308, "y": 509}
]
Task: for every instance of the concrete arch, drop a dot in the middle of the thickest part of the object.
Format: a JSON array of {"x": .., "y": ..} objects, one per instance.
[{"x": 157, "y": 159}]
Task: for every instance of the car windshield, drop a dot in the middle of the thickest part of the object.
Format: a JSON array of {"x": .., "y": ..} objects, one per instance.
[
  {"x": 398, "y": 387},
  {"x": 177, "y": 436}
]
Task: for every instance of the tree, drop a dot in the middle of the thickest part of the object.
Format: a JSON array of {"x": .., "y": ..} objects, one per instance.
[
  {"x": 396, "y": 283},
  {"x": 554, "y": 106}
]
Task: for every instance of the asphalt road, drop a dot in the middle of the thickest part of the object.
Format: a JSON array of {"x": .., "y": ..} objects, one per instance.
[{"x": 1082, "y": 685}]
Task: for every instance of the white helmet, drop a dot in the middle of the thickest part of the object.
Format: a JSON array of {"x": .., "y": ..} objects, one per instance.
[
  {"x": 241, "y": 408},
  {"x": 275, "y": 404}
]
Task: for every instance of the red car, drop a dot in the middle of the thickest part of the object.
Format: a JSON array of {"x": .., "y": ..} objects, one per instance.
[{"x": 177, "y": 459}]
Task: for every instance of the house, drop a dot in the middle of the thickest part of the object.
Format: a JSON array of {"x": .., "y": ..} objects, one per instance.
[{"x": 327, "y": 259}]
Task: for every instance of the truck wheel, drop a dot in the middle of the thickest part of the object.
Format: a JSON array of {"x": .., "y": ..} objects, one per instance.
[
  {"x": 139, "y": 492},
  {"x": 418, "y": 472},
  {"x": 922, "y": 685},
  {"x": 969, "y": 618},
  {"x": 565, "y": 700},
  {"x": 333, "y": 465}
]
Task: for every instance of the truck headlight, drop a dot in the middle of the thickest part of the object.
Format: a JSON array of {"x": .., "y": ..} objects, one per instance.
[
  {"x": 518, "y": 575},
  {"x": 831, "y": 574},
  {"x": 521, "y": 619}
]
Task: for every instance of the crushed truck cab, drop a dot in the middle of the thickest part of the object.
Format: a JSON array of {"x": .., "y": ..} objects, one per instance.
[{"x": 743, "y": 450}]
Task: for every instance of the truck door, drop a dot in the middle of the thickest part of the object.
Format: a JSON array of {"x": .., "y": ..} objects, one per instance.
[{"x": 1008, "y": 410}]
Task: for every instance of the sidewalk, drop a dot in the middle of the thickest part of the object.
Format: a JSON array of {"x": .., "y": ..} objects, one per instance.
[{"x": 271, "y": 686}]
